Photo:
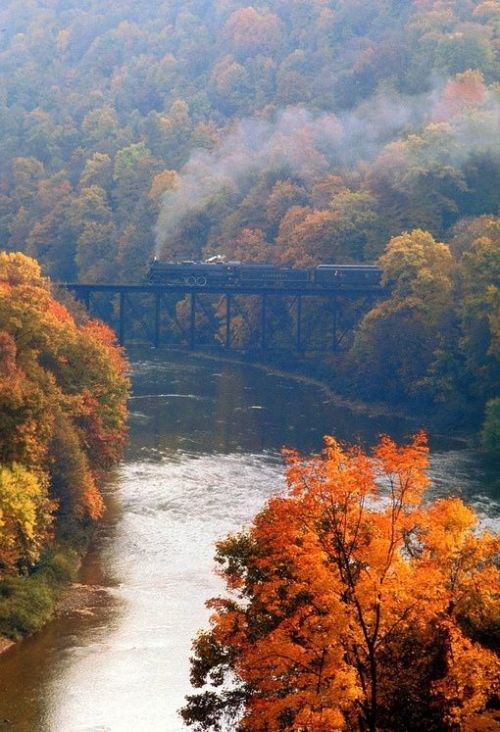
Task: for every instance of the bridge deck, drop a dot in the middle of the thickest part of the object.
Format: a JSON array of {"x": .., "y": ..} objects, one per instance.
[{"x": 293, "y": 291}]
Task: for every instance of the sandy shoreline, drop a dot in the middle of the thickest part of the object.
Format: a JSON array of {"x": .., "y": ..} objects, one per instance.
[
  {"x": 77, "y": 598},
  {"x": 5, "y": 644}
]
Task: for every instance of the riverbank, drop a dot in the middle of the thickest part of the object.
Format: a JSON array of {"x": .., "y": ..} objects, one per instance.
[
  {"x": 461, "y": 422},
  {"x": 203, "y": 458},
  {"x": 30, "y": 602},
  {"x": 75, "y": 598},
  {"x": 79, "y": 598}
]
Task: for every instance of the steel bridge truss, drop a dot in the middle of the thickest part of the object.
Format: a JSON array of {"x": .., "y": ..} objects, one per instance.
[{"x": 248, "y": 319}]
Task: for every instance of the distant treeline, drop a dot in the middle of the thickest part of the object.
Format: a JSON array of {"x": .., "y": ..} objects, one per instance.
[
  {"x": 283, "y": 131},
  {"x": 327, "y": 128}
]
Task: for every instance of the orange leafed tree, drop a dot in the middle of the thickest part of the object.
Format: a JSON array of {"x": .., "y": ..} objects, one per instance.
[
  {"x": 63, "y": 391},
  {"x": 353, "y": 605}
]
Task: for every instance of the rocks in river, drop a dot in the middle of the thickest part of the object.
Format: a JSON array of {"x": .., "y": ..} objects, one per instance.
[{"x": 80, "y": 599}]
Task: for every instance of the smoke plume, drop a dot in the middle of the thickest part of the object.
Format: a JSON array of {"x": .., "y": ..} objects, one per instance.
[{"x": 310, "y": 145}]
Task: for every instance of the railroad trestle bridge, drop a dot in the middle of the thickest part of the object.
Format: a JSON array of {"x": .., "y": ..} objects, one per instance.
[{"x": 301, "y": 319}]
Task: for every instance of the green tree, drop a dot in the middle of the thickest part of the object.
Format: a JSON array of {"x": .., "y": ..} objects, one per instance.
[
  {"x": 397, "y": 340},
  {"x": 98, "y": 171},
  {"x": 478, "y": 313},
  {"x": 490, "y": 435}
]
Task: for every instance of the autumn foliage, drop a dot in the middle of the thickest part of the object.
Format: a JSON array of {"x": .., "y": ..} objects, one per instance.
[
  {"x": 285, "y": 131},
  {"x": 62, "y": 413},
  {"x": 352, "y": 605}
]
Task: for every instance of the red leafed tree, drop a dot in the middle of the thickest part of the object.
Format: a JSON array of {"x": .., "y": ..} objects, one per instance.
[{"x": 464, "y": 91}]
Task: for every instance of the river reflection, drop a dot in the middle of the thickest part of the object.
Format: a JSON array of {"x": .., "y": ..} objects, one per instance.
[{"x": 202, "y": 459}]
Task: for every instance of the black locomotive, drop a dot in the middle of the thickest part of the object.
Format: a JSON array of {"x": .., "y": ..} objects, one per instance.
[{"x": 233, "y": 274}]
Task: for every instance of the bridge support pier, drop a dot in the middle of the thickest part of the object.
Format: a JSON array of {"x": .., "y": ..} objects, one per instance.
[
  {"x": 192, "y": 324},
  {"x": 298, "y": 333},
  {"x": 121, "y": 318},
  {"x": 157, "y": 334},
  {"x": 228, "y": 321}
]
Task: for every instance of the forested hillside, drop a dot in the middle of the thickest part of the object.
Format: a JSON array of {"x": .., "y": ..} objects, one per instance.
[
  {"x": 62, "y": 424},
  {"x": 288, "y": 131},
  {"x": 297, "y": 131}
]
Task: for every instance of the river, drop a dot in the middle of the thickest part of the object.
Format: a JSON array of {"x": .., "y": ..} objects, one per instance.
[{"x": 203, "y": 457}]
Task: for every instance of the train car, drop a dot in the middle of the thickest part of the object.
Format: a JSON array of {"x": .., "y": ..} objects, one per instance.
[
  {"x": 217, "y": 273},
  {"x": 227, "y": 274},
  {"x": 268, "y": 275},
  {"x": 258, "y": 275},
  {"x": 295, "y": 277},
  {"x": 193, "y": 274},
  {"x": 347, "y": 275}
]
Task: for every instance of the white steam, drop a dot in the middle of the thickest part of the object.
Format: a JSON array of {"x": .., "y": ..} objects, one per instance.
[{"x": 310, "y": 145}]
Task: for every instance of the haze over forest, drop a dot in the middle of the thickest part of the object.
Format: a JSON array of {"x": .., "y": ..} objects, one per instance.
[
  {"x": 294, "y": 133},
  {"x": 291, "y": 131},
  {"x": 288, "y": 131}
]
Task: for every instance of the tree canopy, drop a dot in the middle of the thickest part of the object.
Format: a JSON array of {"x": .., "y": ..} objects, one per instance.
[
  {"x": 352, "y": 604},
  {"x": 287, "y": 132},
  {"x": 63, "y": 388},
  {"x": 98, "y": 104}
]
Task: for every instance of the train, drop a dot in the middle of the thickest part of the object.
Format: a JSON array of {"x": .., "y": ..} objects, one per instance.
[{"x": 217, "y": 273}]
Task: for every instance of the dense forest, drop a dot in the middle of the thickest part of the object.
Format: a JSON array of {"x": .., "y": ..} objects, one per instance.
[
  {"x": 297, "y": 131},
  {"x": 294, "y": 132},
  {"x": 62, "y": 426}
]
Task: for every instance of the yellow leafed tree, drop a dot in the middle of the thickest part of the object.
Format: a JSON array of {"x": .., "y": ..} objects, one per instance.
[{"x": 25, "y": 517}]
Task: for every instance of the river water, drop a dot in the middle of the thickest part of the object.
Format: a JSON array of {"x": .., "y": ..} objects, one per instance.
[{"x": 202, "y": 459}]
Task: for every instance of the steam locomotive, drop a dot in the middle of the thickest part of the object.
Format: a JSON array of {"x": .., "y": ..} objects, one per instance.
[{"x": 217, "y": 273}]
